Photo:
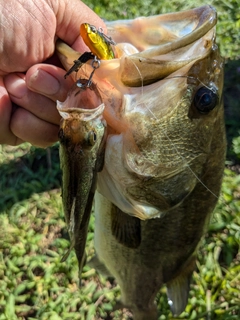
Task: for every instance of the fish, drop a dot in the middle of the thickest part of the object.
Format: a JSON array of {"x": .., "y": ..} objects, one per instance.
[
  {"x": 81, "y": 137},
  {"x": 163, "y": 156}
]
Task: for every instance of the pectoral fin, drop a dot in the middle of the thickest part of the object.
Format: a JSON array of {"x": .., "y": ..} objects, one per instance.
[
  {"x": 99, "y": 266},
  {"x": 81, "y": 237},
  {"x": 125, "y": 228}
]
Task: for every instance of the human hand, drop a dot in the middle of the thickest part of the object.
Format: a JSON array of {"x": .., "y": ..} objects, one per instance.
[{"x": 28, "y": 32}]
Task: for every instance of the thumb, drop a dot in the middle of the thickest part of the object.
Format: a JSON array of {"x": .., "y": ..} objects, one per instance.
[{"x": 70, "y": 15}]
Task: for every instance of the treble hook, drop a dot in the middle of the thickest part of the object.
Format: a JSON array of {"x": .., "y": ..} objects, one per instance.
[
  {"x": 95, "y": 65},
  {"x": 79, "y": 62}
]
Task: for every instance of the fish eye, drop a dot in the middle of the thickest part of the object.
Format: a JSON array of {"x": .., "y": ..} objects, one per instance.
[
  {"x": 205, "y": 100},
  {"x": 92, "y": 138}
]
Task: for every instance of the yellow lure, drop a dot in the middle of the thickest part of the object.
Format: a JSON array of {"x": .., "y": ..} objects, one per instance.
[{"x": 97, "y": 41}]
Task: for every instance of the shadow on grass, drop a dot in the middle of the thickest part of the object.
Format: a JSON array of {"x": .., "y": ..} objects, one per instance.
[
  {"x": 232, "y": 104},
  {"x": 35, "y": 172}
]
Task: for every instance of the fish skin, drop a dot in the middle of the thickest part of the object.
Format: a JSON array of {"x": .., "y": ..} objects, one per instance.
[
  {"x": 167, "y": 252},
  {"x": 163, "y": 170},
  {"x": 81, "y": 136}
]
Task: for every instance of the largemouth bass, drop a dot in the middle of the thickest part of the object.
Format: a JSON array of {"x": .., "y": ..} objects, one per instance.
[
  {"x": 164, "y": 154},
  {"x": 81, "y": 137}
]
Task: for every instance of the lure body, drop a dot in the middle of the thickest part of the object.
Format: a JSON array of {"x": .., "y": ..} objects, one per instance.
[{"x": 98, "y": 42}]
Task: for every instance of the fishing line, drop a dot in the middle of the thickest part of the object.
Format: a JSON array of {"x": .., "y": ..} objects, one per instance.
[
  {"x": 170, "y": 141},
  {"x": 166, "y": 135},
  {"x": 139, "y": 72}
]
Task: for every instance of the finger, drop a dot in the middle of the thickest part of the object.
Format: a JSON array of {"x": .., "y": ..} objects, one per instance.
[
  {"x": 27, "y": 33},
  {"x": 28, "y": 127},
  {"x": 70, "y": 14},
  {"x": 39, "y": 105},
  {"x": 34, "y": 26},
  {"x": 49, "y": 81},
  {"x": 6, "y": 110}
]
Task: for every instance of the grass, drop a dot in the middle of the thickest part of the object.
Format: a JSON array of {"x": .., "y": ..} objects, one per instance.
[{"x": 34, "y": 284}]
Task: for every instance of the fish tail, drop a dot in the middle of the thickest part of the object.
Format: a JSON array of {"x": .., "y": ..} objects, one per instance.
[
  {"x": 81, "y": 264},
  {"x": 66, "y": 255}
]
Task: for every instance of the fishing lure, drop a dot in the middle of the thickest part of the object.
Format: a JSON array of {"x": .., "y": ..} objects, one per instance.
[{"x": 99, "y": 44}]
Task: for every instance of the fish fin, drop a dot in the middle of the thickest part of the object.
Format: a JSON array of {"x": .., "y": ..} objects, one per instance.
[
  {"x": 125, "y": 228},
  {"x": 177, "y": 292},
  {"x": 81, "y": 264},
  {"x": 81, "y": 235},
  {"x": 80, "y": 248},
  {"x": 178, "y": 288},
  {"x": 99, "y": 266},
  {"x": 66, "y": 254},
  {"x": 101, "y": 154}
]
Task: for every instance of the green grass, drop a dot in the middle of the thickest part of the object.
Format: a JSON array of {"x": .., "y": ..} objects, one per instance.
[{"x": 34, "y": 284}]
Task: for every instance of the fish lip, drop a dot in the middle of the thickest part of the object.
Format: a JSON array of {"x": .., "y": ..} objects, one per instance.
[
  {"x": 207, "y": 17},
  {"x": 148, "y": 66},
  {"x": 99, "y": 109},
  {"x": 87, "y": 111},
  {"x": 81, "y": 113}
]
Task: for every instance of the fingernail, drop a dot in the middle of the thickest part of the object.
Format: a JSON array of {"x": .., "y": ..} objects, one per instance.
[
  {"x": 43, "y": 82},
  {"x": 16, "y": 86}
]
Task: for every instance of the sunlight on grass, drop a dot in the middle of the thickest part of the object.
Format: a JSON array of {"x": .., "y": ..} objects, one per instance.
[{"x": 35, "y": 284}]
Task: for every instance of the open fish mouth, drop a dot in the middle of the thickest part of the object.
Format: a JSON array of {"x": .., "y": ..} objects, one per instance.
[
  {"x": 171, "y": 70},
  {"x": 164, "y": 44}
]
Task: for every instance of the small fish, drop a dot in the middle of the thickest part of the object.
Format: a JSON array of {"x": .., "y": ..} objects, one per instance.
[{"x": 81, "y": 136}]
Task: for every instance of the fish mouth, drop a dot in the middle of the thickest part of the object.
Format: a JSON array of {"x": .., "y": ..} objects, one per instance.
[{"x": 164, "y": 44}]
